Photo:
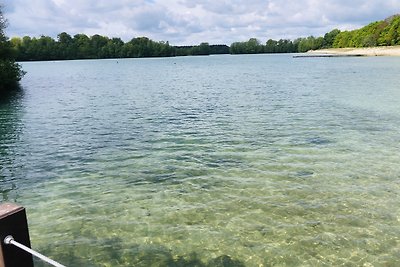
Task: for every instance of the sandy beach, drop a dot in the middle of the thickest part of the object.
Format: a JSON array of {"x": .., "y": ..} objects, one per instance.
[{"x": 368, "y": 51}]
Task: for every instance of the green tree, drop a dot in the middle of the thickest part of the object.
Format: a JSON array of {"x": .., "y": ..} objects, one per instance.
[
  {"x": 97, "y": 43},
  {"x": 390, "y": 35},
  {"x": 66, "y": 48},
  {"x": 46, "y": 48},
  {"x": 310, "y": 43},
  {"x": 385, "y": 32},
  {"x": 204, "y": 49},
  {"x": 252, "y": 46},
  {"x": 329, "y": 38},
  {"x": 113, "y": 48},
  {"x": 219, "y": 49},
  {"x": 285, "y": 46},
  {"x": 10, "y": 72},
  {"x": 82, "y": 43},
  {"x": 270, "y": 46}
]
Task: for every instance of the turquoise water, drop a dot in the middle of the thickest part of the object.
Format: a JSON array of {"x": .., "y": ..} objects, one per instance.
[{"x": 257, "y": 160}]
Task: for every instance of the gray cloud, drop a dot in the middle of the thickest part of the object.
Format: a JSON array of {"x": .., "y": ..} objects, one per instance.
[{"x": 192, "y": 22}]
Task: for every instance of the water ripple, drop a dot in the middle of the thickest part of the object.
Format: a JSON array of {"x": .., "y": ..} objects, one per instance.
[{"x": 206, "y": 161}]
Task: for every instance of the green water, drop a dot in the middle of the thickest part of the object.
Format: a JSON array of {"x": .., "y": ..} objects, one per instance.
[{"x": 207, "y": 161}]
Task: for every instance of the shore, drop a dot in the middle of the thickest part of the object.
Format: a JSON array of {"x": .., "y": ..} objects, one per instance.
[{"x": 367, "y": 51}]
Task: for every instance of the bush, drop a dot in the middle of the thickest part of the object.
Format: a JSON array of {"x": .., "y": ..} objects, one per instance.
[{"x": 10, "y": 74}]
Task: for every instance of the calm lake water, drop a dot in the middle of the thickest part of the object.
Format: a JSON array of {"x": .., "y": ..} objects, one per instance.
[{"x": 261, "y": 160}]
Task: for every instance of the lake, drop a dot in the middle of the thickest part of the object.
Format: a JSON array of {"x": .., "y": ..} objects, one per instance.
[{"x": 248, "y": 160}]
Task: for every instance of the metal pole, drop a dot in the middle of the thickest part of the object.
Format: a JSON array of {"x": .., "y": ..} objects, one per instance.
[{"x": 9, "y": 240}]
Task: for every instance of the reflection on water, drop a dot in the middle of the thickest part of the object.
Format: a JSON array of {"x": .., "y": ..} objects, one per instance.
[
  {"x": 10, "y": 129},
  {"x": 208, "y": 161}
]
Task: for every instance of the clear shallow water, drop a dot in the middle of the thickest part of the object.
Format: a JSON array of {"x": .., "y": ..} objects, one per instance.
[{"x": 236, "y": 160}]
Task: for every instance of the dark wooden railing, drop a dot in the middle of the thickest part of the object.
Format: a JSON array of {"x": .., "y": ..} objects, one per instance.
[{"x": 13, "y": 222}]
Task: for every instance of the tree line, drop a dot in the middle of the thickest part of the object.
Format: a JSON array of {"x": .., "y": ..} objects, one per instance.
[
  {"x": 380, "y": 33},
  {"x": 81, "y": 46},
  {"x": 299, "y": 45}
]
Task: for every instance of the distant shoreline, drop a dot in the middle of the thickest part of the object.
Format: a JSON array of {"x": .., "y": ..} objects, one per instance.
[{"x": 366, "y": 51}]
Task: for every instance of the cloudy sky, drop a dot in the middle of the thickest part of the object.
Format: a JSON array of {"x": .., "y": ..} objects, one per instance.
[{"x": 186, "y": 22}]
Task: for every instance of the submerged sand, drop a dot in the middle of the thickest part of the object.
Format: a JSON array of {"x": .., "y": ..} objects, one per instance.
[{"x": 367, "y": 51}]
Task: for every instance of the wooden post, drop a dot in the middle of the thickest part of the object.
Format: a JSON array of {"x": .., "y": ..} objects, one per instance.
[{"x": 13, "y": 222}]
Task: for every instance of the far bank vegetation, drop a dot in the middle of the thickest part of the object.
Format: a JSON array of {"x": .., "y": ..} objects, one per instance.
[{"x": 81, "y": 46}]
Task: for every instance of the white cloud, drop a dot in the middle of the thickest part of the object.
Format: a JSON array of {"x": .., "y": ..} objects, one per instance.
[{"x": 192, "y": 22}]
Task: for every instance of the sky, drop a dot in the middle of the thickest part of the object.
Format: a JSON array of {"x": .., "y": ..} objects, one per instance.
[{"x": 186, "y": 22}]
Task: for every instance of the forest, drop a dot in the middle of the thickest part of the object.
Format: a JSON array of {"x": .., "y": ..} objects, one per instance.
[
  {"x": 81, "y": 46},
  {"x": 380, "y": 33},
  {"x": 300, "y": 45}
]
